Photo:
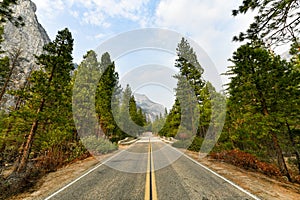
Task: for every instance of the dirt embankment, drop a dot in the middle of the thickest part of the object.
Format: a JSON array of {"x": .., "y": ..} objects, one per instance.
[{"x": 258, "y": 184}]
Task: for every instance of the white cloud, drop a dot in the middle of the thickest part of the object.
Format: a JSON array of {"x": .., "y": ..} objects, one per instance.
[
  {"x": 92, "y": 17},
  {"x": 124, "y": 9},
  {"x": 95, "y": 12},
  {"x": 75, "y": 14},
  {"x": 100, "y": 35},
  {"x": 49, "y": 8},
  {"x": 208, "y": 22}
]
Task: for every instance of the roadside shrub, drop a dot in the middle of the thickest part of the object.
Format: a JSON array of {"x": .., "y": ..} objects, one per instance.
[
  {"x": 246, "y": 161},
  {"x": 77, "y": 152},
  {"x": 196, "y": 144},
  {"x": 182, "y": 144},
  {"x": 51, "y": 160},
  {"x": 222, "y": 146},
  {"x": 58, "y": 155},
  {"x": 98, "y": 146},
  {"x": 118, "y": 137},
  {"x": 297, "y": 179}
]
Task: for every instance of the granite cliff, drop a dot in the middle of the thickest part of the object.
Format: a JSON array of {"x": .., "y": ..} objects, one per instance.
[
  {"x": 21, "y": 44},
  {"x": 29, "y": 38}
]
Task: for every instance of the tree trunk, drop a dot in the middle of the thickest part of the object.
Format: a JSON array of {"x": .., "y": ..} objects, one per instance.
[
  {"x": 5, "y": 85},
  {"x": 14, "y": 57},
  {"x": 10, "y": 125},
  {"x": 293, "y": 145},
  {"x": 264, "y": 109},
  {"x": 17, "y": 107},
  {"x": 28, "y": 145},
  {"x": 7, "y": 81},
  {"x": 280, "y": 158},
  {"x": 34, "y": 126}
]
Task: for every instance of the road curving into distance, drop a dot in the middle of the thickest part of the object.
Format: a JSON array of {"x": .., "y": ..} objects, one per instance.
[{"x": 150, "y": 170}]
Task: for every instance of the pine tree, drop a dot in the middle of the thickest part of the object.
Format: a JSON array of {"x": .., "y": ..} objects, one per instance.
[
  {"x": 131, "y": 119},
  {"x": 291, "y": 110},
  {"x": 86, "y": 80},
  {"x": 189, "y": 108},
  {"x": 49, "y": 84},
  {"x": 128, "y": 113},
  {"x": 189, "y": 67},
  {"x": 172, "y": 123},
  {"x": 4, "y": 74},
  {"x": 104, "y": 95},
  {"x": 258, "y": 89},
  {"x": 188, "y": 91},
  {"x": 11, "y": 67},
  {"x": 124, "y": 119},
  {"x": 137, "y": 116},
  {"x": 276, "y": 21}
]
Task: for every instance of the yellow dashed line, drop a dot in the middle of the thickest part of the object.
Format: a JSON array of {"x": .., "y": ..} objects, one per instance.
[
  {"x": 150, "y": 186},
  {"x": 154, "y": 193}
]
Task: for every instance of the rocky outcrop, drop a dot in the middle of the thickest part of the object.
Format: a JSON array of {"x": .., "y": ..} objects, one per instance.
[{"x": 29, "y": 38}]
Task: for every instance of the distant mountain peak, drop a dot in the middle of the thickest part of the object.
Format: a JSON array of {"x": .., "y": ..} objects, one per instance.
[
  {"x": 143, "y": 97},
  {"x": 150, "y": 108}
]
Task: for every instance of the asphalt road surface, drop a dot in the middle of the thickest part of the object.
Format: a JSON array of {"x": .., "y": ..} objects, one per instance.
[{"x": 150, "y": 170}]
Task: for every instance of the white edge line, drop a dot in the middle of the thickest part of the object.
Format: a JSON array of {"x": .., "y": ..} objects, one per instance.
[
  {"x": 218, "y": 175},
  {"x": 77, "y": 179}
]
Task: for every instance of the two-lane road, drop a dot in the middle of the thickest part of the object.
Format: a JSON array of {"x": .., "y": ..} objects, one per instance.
[{"x": 150, "y": 170}]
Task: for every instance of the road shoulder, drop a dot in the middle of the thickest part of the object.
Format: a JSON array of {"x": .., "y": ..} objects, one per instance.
[
  {"x": 258, "y": 184},
  {"x": 53, "y": 181}
]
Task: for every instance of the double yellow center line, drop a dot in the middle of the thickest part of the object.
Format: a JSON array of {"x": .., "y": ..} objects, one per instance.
[{"x": 150, "y": 186}]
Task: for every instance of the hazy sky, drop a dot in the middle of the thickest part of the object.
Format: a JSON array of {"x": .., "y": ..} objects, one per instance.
[{"x": 208, "y": 22}]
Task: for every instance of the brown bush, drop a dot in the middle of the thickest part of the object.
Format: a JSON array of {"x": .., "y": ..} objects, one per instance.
[
  {"x": 297, "y": 179},
  {"x": 49, "y": 162},
  {"x": 246, "y": 161},
  {"x": 59, "y": 156}
]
